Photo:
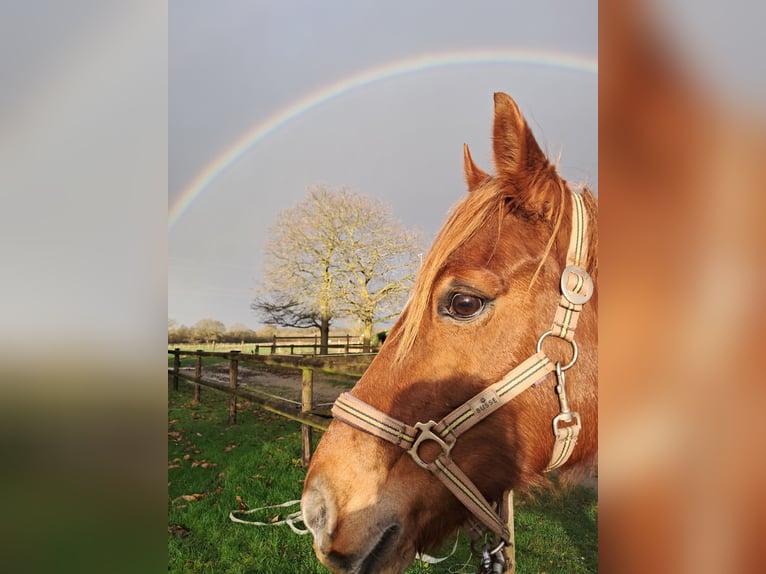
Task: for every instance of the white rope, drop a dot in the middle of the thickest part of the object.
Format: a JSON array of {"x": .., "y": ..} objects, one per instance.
[
  {"x": 290, "y": 519},
  {"x": 428, "y": 559},
  {"x": 294, "y": 517}
]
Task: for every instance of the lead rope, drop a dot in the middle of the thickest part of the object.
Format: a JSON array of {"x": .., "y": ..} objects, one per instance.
[
  {"x": 290, "y": 519},
  {"x": 297, "y": 517}
]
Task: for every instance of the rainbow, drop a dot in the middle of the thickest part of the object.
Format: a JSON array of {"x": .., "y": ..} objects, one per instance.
[{"x": 238, "y": 148}]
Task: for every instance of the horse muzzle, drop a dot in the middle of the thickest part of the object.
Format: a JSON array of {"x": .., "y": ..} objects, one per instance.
[{"x": 365, "y": 541}]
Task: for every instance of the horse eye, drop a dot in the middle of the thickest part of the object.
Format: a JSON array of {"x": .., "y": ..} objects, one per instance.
[{"x": 464, "y": 306}]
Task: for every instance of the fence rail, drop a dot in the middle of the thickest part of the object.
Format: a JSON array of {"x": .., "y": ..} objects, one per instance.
[
  {"x": 349, "y": 365},
  {"x": 304, "y": 345}
]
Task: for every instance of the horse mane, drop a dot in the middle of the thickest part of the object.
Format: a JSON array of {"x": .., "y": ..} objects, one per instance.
[{"x": 466, "y": 218}]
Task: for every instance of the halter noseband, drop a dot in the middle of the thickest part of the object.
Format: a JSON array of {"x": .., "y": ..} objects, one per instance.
[{"x": 576, "y": 290}]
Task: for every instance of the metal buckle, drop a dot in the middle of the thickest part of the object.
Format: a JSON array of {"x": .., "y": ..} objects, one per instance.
[
  {"x": 575, "y": 350},
  {"x": 492, "y": 561},
  {"x": 586, "y": 291},
  {"x": 566, "y": 415},
  {"x": 427, "y": 434},
  {"x": 566, "y": 418}
]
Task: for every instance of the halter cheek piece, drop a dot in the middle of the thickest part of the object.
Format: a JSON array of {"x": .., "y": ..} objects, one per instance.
[{"x": 576, "y": 290}]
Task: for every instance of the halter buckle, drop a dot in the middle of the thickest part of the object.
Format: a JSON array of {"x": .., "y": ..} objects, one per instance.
[
  {"x": 584, "y": 285},
  {"x": 566, "y": 418},
  {"x": 427, "y": 434},
  {"x": 492, "y": 560}
]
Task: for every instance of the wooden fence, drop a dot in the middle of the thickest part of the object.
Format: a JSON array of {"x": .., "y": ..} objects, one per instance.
[
  {"x": 353, "y": 365},
  {"x": 301, "y": 343}
]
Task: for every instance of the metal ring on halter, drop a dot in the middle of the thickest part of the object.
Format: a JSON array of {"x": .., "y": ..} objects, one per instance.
[
  {"x": 497, "y": 548},
  {"x": 575, "y": 351}
]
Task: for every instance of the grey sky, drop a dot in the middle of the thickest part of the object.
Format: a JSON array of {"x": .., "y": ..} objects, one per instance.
[{"x": 233, "y": 65}]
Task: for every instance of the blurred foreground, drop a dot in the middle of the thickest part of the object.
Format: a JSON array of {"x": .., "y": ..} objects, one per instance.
[{"x": 681, "y": 148}]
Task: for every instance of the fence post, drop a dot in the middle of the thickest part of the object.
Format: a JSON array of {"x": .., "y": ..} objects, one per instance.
[
  {"x": 307, "y": 403},
  {"x": 510, "y": 550},
  {"x": 198, "y": 374},
  {"x": 176, "y": 367},
  {"x": 233, "y": 371},
  {"x": 274, "y": 345}
]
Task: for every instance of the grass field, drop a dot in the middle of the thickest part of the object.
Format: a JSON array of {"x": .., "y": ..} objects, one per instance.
[{"x": 211, "y": 464}]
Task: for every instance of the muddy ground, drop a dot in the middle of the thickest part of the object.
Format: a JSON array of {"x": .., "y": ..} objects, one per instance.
[{"x": 280, "y": 384}]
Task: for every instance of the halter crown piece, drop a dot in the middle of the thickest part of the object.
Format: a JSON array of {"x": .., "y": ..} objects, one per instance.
[{"x": 576, "y": 289}]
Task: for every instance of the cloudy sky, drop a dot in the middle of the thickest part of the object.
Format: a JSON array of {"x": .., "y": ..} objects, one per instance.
[{"x": 269, "y": 98}]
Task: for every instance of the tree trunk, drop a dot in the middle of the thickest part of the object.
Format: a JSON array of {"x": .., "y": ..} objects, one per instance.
[
  {"x": 367, "y": 336},
  {"x": 324, "y": 336}
]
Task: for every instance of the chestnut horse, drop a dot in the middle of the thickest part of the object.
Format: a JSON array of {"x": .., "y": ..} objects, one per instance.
[{"x": 429, "y": 439}]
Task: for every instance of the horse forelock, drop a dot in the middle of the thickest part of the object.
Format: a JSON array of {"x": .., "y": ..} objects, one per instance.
[{"x": 467, "y": 217}]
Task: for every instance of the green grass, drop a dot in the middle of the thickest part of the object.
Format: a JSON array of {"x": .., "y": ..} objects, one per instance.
[{"x": 258, "y": 460}]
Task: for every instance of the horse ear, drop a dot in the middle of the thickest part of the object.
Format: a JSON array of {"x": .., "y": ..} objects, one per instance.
[
  {"x": 516, "y": 150},
  {"x": 520, "y": 161},
  {"x": 474, "y": 176}
]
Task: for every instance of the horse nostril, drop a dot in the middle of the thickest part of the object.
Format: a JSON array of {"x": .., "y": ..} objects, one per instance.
[
  {"x": 319, "y": 517},
  {"x": 315, "y": 514}
]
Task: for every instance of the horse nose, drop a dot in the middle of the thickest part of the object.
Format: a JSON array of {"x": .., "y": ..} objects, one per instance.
[{"x": 319, "y": 516}]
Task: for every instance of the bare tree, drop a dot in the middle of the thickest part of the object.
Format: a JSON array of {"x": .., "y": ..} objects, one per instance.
[
  {"x": 179, "y": 333},
  {"x": 209, "y": 330},
  {"x": 335, "y": 254},
  {"x": 298, "y": 277},
  {"x": 238, "y": 333},
  {"x": 377, "y": 262}
]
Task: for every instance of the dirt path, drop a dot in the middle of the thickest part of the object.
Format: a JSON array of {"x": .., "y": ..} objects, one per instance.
[{"x": 279, "y": 384}]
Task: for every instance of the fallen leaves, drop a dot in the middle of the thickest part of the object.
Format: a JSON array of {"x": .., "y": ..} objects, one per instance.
[
  {"x": 190, "y": 497},
  {"x": 178, "y": 531},
  {"x": 194, "y": 462}
]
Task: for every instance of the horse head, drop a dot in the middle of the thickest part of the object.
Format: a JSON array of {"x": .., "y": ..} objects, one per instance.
[{"x": 485, "y": 295}]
